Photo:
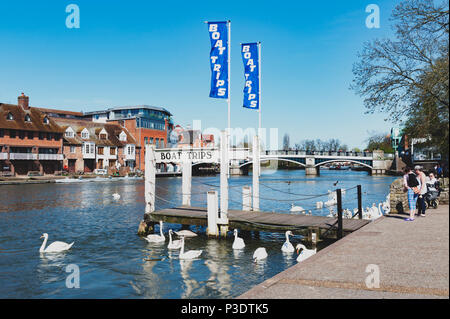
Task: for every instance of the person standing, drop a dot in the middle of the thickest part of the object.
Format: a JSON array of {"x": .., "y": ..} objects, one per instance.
[
  {"x": 422, "y": 190},
  {"x": 410, "y": 184},
  {"x": 438, "y": 171}
]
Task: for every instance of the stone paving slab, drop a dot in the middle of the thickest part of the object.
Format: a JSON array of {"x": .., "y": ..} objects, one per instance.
[{"x": 413, "y": 258}]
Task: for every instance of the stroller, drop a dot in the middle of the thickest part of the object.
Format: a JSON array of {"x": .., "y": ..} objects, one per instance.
[{"x": 431, "y": 197}]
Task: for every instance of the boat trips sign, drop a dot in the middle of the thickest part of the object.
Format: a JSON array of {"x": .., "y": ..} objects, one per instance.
[{"x": 187, "y": 155}]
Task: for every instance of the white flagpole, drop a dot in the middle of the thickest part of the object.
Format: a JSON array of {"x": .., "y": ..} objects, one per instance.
[
  {"x": 259, "y": 103},
  {"x": 259, "y": 86},
  {"x": 229, "y": 90}
]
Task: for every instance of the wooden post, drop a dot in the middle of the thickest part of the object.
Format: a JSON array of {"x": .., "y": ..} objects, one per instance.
[
  {"x": 256, "y": 172},
  {"x": 150, "y": 178},
  {"x": 213, "y": 213},
  {"x": 359, "y": 202},
  {"x": 224, "y": 166},
  {"x": 186, "y": 183},
  {"x": 246, "y": 198},
  {"x": 340, "y": 233}
]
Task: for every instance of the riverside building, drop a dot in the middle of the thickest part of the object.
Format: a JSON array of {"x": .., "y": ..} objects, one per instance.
[
  {"x": 147, "y": 124},
  {"x": 30, "y": 140}
]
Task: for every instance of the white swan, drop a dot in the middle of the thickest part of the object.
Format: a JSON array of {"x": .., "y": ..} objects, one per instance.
[
  {"x": 304, "y": 253},
  {"x": 54, "y": 247},
  {"x": 173, "y": 244},
  {"x": 116, "y": 196},
  {"x": 238, "y": 242},
  {"x": 185, "y": 233},
  {"x": 260, "y": 254},
  {"x": 191, "y": 254},
  {"x": 296, "y": 208},
  {"x": 154, "y": 238},
  {"x": 287, "y": 246}
]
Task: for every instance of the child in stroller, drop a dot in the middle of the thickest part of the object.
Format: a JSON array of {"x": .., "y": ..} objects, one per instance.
[{"x": 433, "y": 192}]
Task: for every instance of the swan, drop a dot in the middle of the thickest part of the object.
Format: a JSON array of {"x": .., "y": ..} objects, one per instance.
[
  {"x": 287, "y": 246},
  {"x": 238, "y": 242},
  {"x": 304, "y": 253},
  {"x": 185, "y": 233},
  {"x": 260, "y": 254},
  {"x": 191, "y": 254},
  {"x": 54, "y": 247},
  {"x": 173, "y": 244},
  {"x": 154, "y": 238},
  {"x": 116, "y": 196},
  {"x": 332, "y": 213},
  {"x": 296, "y": 208}
]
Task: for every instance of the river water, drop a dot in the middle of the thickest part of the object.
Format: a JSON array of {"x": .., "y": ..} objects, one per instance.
[{"x": 116, "y": 263}]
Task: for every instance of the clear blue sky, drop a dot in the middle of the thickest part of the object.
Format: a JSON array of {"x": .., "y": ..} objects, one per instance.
[{"x": 157, "y": 53}]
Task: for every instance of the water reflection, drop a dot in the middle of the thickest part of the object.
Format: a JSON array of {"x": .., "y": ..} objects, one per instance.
[
  {"x": 116, "y": 263},
  {"x": 219, "y": 277},
  {"x": 190, "y": 284}
]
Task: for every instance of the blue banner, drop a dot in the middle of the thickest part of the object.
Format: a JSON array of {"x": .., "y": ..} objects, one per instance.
[
  {"x": 218, "y": 34},
  {"x": 251, "y": 72}
]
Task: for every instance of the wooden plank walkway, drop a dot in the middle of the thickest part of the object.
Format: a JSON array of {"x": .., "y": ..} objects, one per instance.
[{"x": 258, "y": 221}]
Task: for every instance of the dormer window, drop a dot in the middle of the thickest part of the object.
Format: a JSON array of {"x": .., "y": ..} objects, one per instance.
[
  {"x": 69, "y": 133},
  {"x": 9, "y": 116},
  {"x": 85, "y": 134},
  {"x": 46, "y": 121},
  {"x": 123, "y": 137},
  {"x": 27, "y": 118},
  {"x": 103, "y": 135}
]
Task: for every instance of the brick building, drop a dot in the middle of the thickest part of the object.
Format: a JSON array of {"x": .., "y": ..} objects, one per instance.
[
  {"x": 94, "y": 147},
  {"x": 30, "y": 140},
  {"x": 147, "y": 124}
]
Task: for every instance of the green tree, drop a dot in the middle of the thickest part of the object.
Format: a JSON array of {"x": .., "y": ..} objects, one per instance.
[{"x": 379, "y": 141}]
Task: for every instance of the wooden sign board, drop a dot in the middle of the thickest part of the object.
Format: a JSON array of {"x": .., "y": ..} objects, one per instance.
[{"x": 187, "y": 155}]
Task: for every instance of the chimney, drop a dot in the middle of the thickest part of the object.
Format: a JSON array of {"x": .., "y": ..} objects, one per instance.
[{"x": 22, "y": 101}]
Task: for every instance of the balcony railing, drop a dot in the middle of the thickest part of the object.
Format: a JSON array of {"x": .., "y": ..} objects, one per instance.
[
  {"x": 51, "y": 157},
  {"x": 3, "y": 156},
  {"x": 23, "y": 156}
]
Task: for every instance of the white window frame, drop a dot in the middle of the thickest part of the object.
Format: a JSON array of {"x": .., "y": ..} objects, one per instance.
[
  {"x": 69, "y": 132},
  {"x": 85, "y": 134}
]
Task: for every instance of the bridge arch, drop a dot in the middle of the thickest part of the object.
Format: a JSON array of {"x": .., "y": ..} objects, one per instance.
[
  {"x": 273, "y": 158},
  {"x": 343, "y": 160}
]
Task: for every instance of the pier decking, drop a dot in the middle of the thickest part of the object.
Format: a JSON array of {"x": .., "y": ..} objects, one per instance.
[{"x": 256, "y": 221}]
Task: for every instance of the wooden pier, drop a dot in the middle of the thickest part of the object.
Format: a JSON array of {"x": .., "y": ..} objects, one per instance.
[{"x": 258, "y": 221}]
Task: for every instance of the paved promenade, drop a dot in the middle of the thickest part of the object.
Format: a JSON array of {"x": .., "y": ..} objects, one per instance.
[{"x": 413, "y": 258}]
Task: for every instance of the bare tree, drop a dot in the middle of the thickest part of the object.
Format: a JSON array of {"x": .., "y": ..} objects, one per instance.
[{"x": 390, "y": 72}]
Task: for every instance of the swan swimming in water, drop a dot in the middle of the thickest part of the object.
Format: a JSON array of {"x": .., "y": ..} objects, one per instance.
[
  {"x": 154, "y": 238},
  {"x": 287, "y": 246},
  {"x": 238, "y": 242},
  {"x": 54, "y": 247},
  {"x": 116, "y": 196},
  {"x": 191, "y": 254},
  {"x": 296, "y": 209},
  {"x": 260, "y": 254},
  {"x": 173, "y": 244},
  {"x": 185, "y": 233},
  {"x": 304, "y": 253}
]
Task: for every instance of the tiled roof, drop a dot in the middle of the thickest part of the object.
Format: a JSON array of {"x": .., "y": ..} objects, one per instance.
[
  {"x": 94, "y": 129},
  {"x": 19, "y": 123}
]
